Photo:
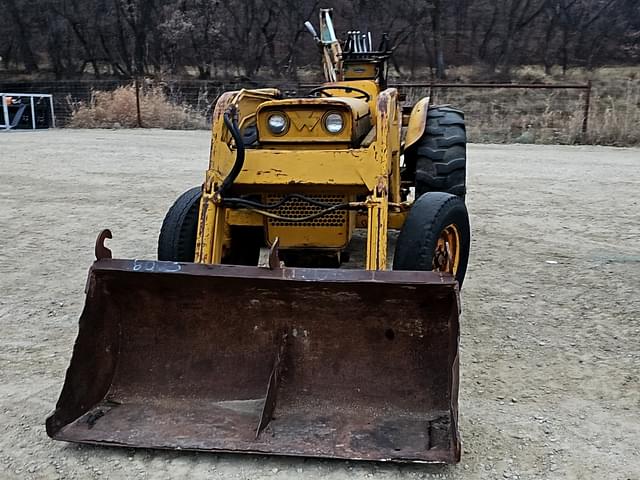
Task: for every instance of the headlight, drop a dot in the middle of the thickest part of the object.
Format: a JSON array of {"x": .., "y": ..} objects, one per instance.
[
  {"x": 334, "y": 123},
  {"x": 278, "y": 123}
]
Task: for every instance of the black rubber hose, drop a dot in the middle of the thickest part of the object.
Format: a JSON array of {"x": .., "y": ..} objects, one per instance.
[
  {"x": 239, "y": 163},
  {"x": 265, "y": 206}
]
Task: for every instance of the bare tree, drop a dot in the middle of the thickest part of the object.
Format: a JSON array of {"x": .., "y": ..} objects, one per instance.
[
  {"x": 138, "y": 15},
  {"x": 219, "y": 38},
  {"x": 22, "y": 31}
]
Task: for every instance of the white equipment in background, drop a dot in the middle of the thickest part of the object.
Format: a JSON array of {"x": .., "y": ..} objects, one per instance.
[{"x": 25, "y": 111}]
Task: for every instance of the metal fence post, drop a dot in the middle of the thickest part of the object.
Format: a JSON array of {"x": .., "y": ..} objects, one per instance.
[
  {"x": 53, "y": 113},
  {"x": 587, "y": 107},
  {"x": 33, "y": 115},
  {"x": 5, "y": 110},
  {"x": 137, "y": 86}
]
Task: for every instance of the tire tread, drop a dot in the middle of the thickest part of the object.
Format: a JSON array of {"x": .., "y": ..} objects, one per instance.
[
  {"x": 177, "y": 234},
  {"x": 440, "y": 155},
  {"x": 428, "y": 216}
]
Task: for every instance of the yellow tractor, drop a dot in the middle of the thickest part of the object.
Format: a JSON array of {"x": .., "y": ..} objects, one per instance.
[{"x": 247, "y": 335}]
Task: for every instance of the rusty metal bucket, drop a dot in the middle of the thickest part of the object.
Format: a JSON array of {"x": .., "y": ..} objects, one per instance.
[{"x": 323, "y": 363}]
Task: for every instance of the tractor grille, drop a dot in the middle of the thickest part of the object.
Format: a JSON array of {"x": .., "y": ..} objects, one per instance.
[{"x": 298, "y": 208}]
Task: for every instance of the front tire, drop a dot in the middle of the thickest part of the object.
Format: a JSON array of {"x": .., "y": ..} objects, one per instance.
[
  {"x": 435, "y": 236},
  {"x": 177, "y": 241}
]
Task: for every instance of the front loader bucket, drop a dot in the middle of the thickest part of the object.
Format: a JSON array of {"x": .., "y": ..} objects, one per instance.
[{"x": 323, "y": 363}]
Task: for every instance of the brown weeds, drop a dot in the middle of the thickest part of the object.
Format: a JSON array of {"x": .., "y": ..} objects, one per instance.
[
  {"x": 117, "y": 109},
  {"x": 497, "y": 115},
  {"x": 493, "y": 115}
]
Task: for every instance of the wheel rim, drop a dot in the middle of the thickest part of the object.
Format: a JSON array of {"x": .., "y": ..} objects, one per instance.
[{"x": 446, "y": 256}]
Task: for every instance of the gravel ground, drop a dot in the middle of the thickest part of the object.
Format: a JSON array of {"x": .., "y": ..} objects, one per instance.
[{"x": 550, "y": 331}]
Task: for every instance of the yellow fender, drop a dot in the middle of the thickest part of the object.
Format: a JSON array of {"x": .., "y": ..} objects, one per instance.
[{"x": 417, "y": 122}]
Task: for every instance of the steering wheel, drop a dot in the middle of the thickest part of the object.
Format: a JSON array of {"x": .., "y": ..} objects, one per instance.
[{"x": 323, "y": 90}]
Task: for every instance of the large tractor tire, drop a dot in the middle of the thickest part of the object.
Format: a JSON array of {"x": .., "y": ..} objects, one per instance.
[
  {"x": 177, "y": 241},
  {"x": 440, "y": 155},
  {"x": 435, "y": 236}
]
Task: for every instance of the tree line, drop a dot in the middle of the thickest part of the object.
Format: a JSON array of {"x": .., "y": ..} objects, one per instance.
[{"x": 266, "y": 38}]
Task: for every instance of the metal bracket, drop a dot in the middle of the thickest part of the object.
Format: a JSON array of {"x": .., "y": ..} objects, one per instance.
[
  {"x": 101, "y": 251},
  {"x": 272, "y": 387},
  {"x": 443, "y": 260},
  {"x": 269, "y": 257}
]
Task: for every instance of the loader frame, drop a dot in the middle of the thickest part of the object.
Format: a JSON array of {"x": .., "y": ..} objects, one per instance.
[{"x": 373, "y": 169}]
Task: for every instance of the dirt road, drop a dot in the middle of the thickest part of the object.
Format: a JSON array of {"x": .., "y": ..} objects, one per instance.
[{"x": 550, "y": 330}]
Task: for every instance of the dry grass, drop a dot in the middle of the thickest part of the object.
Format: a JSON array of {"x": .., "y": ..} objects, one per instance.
[
  {"x": 493, "y": 115},
  {"x": 615, "y": 119},
  {"x": 550, "y": 116},
  {"x": 117, "y": 109}
]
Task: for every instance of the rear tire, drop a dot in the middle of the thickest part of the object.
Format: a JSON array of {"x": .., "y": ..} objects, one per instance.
[
  {"x": 440, "y": 155},
  {"x": 177, "y": 241},
  {"x": 430, "y": 216}
]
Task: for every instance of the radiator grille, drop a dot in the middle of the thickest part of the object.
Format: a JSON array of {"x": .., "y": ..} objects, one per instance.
[{"x": 298, "y": 208}]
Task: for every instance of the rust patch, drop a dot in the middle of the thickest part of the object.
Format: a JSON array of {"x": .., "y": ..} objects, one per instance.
[
  {"x": 381, "y": 186},
  {"x": 223, "y": 103},
  {"x": 383, "y": 105},
  {"x": 100, "y": 250}
]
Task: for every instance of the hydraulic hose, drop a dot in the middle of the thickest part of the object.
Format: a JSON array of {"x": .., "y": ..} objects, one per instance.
[
  {"x": 264, "y": 206},
  {"x": 231, "y": 124}
]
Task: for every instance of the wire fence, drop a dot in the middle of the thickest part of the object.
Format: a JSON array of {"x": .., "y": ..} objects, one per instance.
[
  {"x": 506, "y": 113},
  {"x": 503, "y": 113}
]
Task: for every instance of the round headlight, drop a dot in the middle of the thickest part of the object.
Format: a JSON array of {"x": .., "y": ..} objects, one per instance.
[
  {"x": 277, "y": 123},
  {"x": 334, "y": 123}
]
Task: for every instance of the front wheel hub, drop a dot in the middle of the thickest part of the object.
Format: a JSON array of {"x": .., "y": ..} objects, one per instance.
[{"x": 446, "y": 257}]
